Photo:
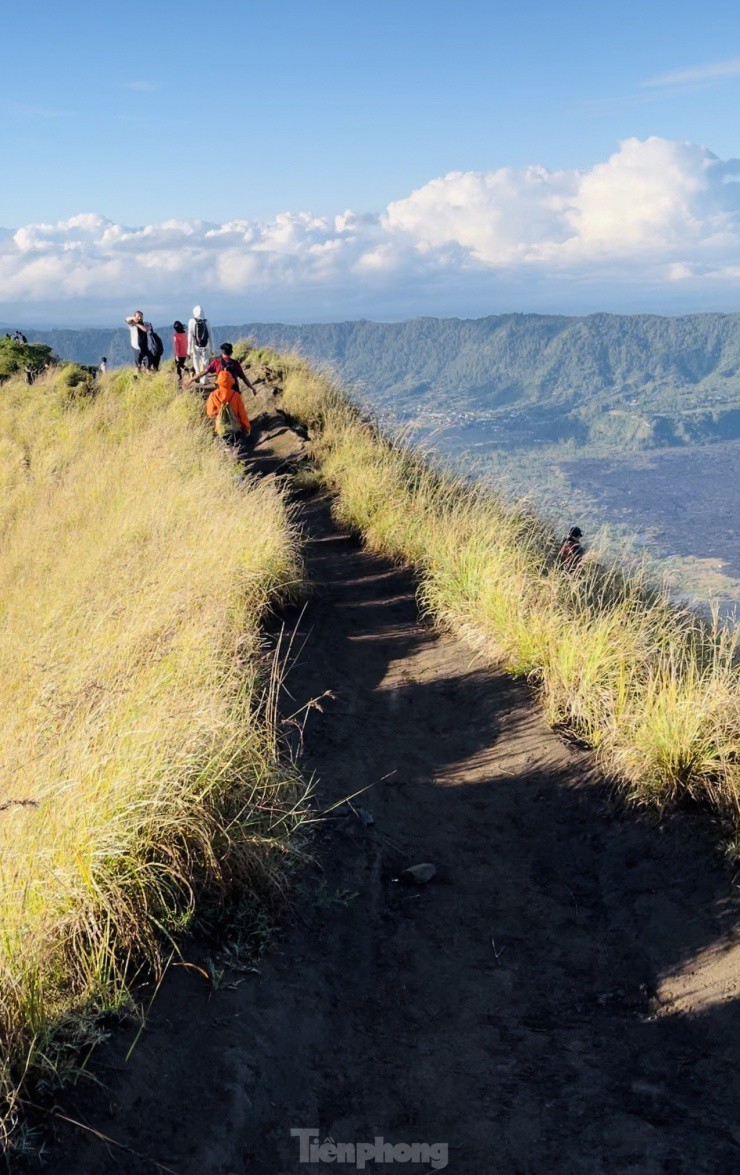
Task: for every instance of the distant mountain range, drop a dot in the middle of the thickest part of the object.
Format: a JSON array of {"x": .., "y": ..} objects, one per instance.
[{"x": 636, "y": 380}]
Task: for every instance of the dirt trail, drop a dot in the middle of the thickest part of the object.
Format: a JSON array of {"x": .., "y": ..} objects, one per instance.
[{"x": 562, "y": 997}]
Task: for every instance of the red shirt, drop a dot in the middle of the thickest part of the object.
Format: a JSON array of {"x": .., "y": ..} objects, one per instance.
[
  {"x": 232, "y": 366},
  {"x": 180, "y": 344}
]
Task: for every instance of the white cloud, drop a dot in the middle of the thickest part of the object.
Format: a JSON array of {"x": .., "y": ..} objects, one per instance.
[
  {"x": 24, "y": 110},
  {"x": 657, "y": 221},
  {"x": 715, "y": 71},
  {"x": 652, "y": 194},
  {"x": 651, "y": 202},
  {"x": 140, "y": 87},
  {"x": 498, "y": 216}
]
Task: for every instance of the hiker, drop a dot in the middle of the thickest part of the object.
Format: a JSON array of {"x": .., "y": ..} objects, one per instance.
[
  {"x": 226, "y": 362},
  {"x": 226, "y": 407},
  {"x": 139, "y": 332},
  {"x": 19, "y": 337},
  {"x": 179, "y": 348},
  {"x": 156, "y": 348},
  {"x": 103, "y": 366},
  {"x": 200, "y": 339},
  {"x": 30, "y": 374},
  {"x": 571, "y": 550}
]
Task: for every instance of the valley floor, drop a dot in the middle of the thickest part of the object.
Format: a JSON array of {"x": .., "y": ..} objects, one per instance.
[{"x": 562, "y": 997}]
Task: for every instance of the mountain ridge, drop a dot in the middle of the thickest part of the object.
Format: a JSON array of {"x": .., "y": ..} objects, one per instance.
[{"x": 640, "y": 380}]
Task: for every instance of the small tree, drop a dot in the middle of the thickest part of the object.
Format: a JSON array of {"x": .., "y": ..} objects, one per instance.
[{"x": 15, "y": 357}]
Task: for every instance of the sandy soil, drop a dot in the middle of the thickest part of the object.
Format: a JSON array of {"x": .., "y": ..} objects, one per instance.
[{"x": 562, "y": 996}]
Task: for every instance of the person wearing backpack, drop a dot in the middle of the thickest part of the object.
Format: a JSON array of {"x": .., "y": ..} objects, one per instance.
[
  {"x": 179, "y": 348},
  {"x": 571, "y": 550},
  {"x": 200, "y": 339},
  {"x": 139, "y": 332},
  {"x": 226, "y": 408},
  {"x": 226, "y": 362},
  {"x": 156, "y": 347}
]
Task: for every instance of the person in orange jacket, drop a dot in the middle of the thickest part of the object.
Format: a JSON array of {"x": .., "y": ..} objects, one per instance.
[{"x": 232, "y": 424}]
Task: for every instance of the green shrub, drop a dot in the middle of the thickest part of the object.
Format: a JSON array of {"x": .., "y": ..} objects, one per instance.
[{"x": 16, "y": 357}]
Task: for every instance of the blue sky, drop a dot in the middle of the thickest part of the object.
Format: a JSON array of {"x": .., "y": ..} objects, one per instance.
[{"x": 233, "y": 111}]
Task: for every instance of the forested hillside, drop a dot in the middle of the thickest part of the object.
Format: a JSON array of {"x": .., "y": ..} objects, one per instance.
[{"x": 635, "y": 380}]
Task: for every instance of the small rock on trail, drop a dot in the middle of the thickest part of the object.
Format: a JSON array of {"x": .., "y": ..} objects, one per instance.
[{"x": 418, "y": 874}]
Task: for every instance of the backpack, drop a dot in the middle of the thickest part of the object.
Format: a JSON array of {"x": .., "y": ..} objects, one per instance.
[
  {"x": 200, "y": 333},
  {"x": 227, "y": 424},
  {"x": 156, "y": 346},
  {"x": 230, "y": 366},
  {"x": 570, "y": 554}
]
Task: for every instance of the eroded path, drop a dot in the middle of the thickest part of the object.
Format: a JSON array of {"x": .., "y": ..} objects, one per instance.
[{"x": 562, "y": 997}]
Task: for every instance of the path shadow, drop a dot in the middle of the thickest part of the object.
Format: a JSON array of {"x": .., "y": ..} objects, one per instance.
[
  {"x": 571, "y": 1032},
  {"x": 532, "y": 1006}
]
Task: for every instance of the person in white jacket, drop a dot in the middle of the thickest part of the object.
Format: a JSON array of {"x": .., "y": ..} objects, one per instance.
[
  {"x": 139, "y": 331},
  {"x": 200, "y": 340}
]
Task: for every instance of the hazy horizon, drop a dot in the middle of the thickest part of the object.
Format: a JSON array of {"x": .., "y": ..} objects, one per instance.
[{"x": 51, "y": 325}]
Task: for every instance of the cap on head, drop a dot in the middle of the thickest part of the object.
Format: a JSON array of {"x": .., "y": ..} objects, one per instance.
[
  {"x": 227, "y": 348},
  {"x": 197, "y": 311}
]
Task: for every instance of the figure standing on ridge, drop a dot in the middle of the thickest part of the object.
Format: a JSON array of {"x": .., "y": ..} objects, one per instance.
[
  {"x": 103, "y": 366},
  {"x": 139, "y": 331},
  {"x": 571, "y": 550},
  {"x": 179, "y": 348},
  {"x": 225, "y": 362},
  {"x": 200, "y": 339}
]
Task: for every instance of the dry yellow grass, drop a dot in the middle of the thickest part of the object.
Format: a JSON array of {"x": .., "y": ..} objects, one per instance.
[
  {"x": 139, "y": 755},
  {"x": 651, "y": 687}
]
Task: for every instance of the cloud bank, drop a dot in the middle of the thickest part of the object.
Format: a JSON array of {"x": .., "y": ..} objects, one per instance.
[{"x": 655, "y": 226}]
